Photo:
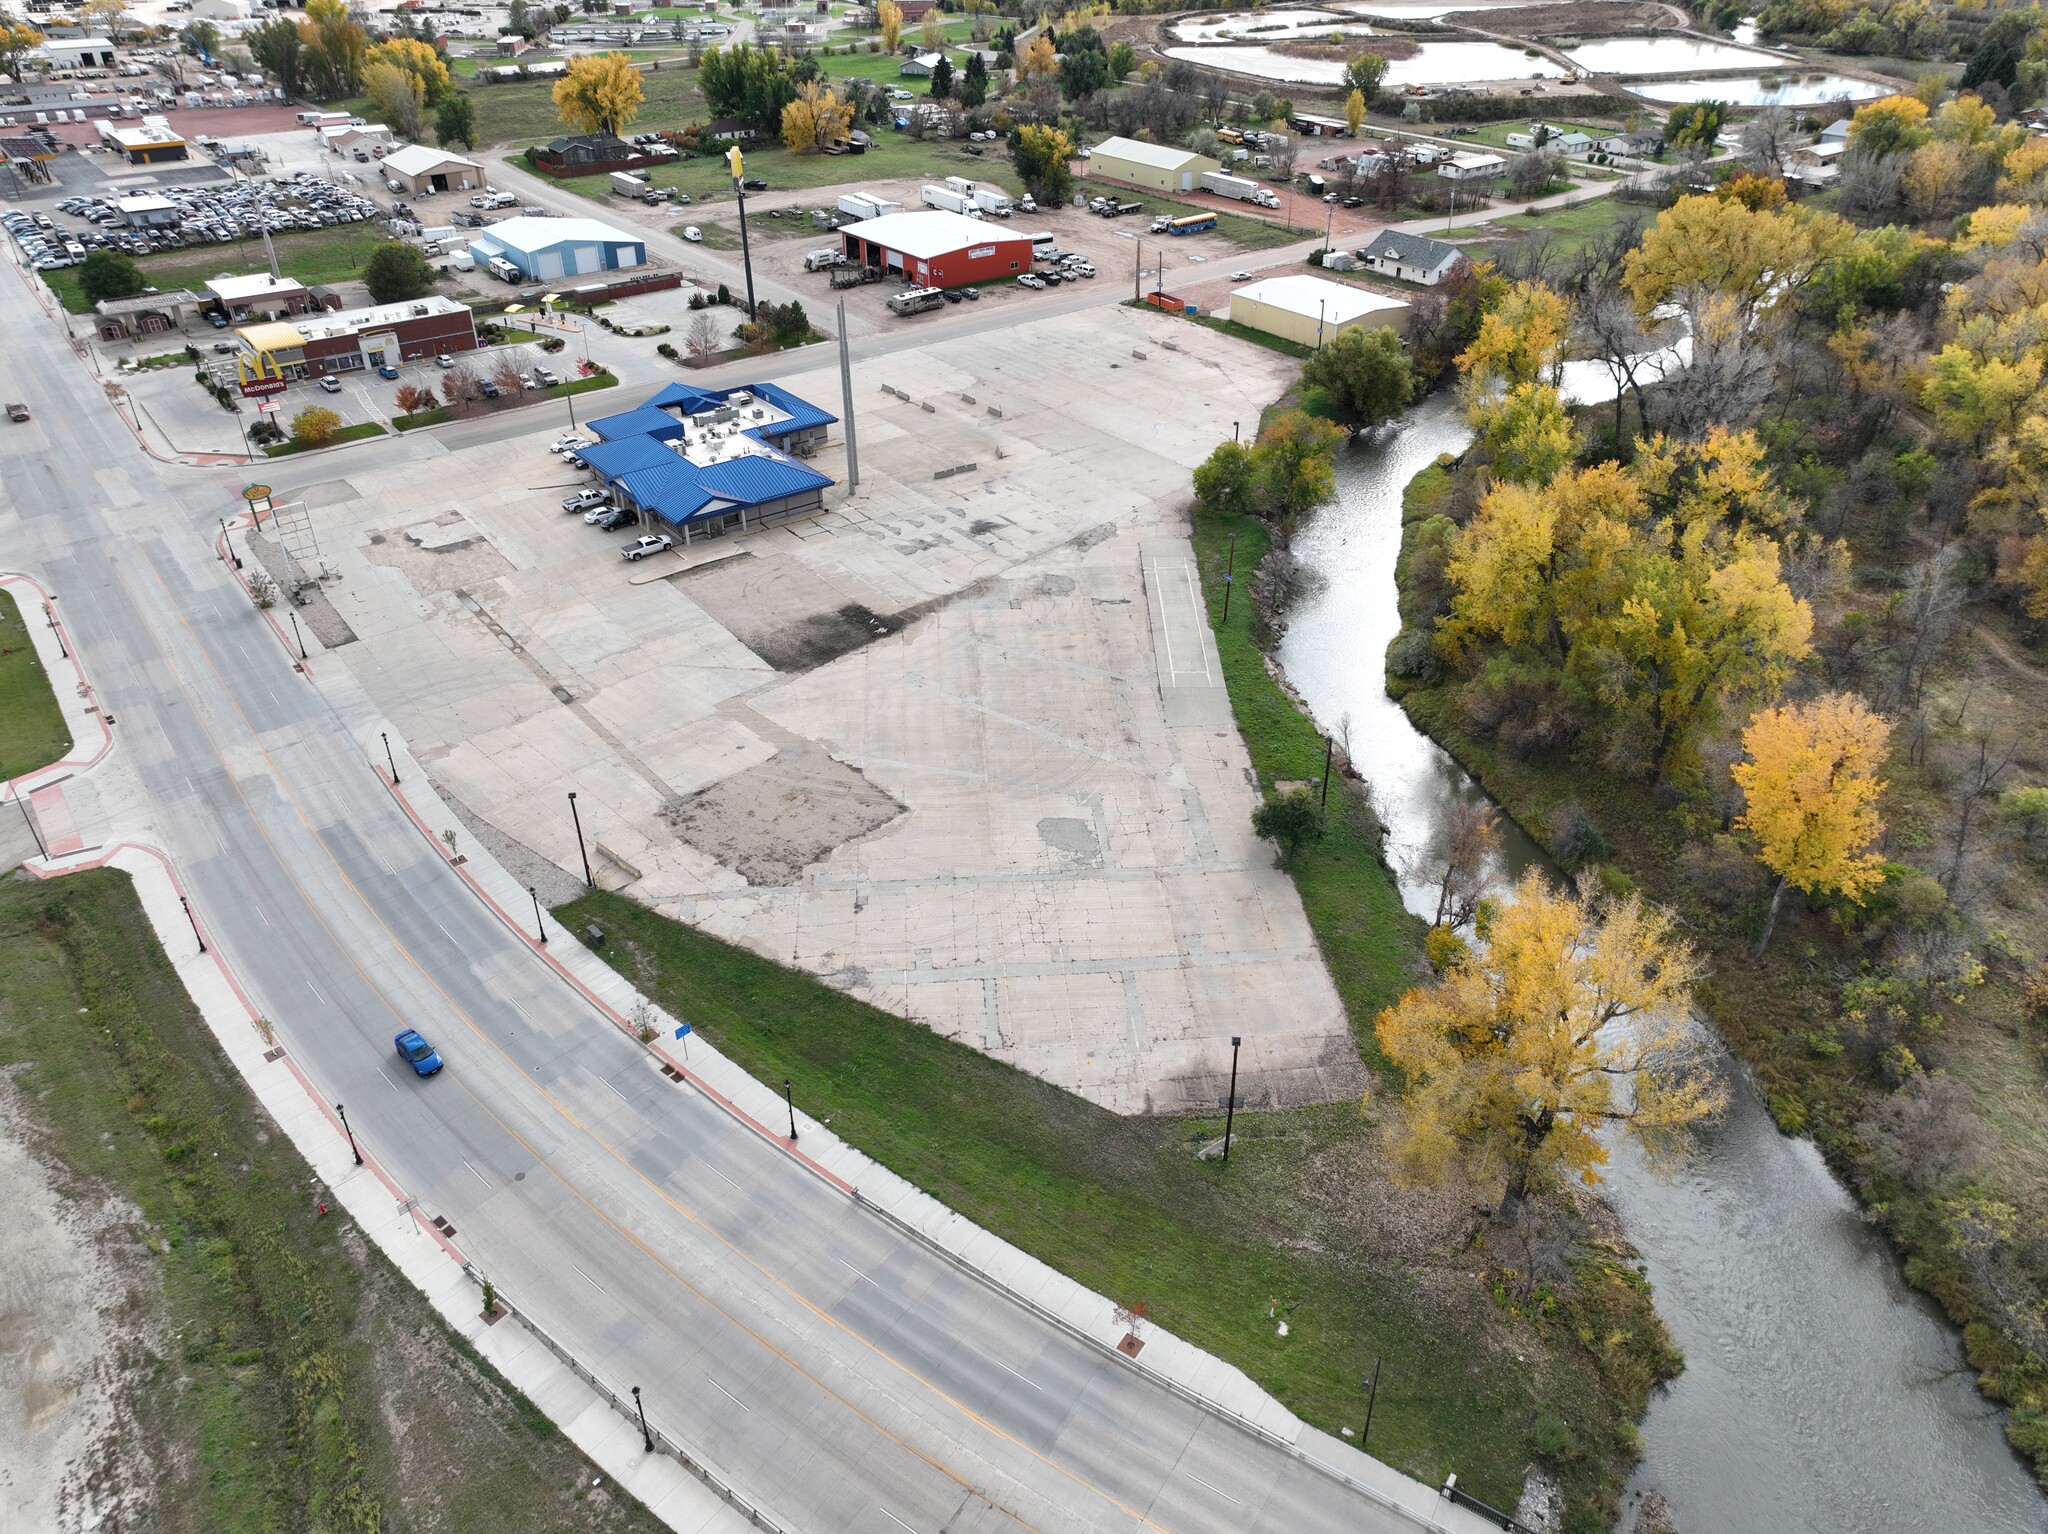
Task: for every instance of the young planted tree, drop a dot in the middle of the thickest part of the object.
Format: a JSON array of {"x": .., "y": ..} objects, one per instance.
[
  {"x": 1354, "y": 112},
  {"x": 703, "y": 339},
  {"x": 396, "y": 272},
  {"x": 315, "y": 427},
  {"x": 1570, "y": 1019},
  {"x": 412, "y": 398},
  {"x": 1292, "y": 821},
  {"x": 601, "y": 93},
  {"x": 1811, "y": 790}
]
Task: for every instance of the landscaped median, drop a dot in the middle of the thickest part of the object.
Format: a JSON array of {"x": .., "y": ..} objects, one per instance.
[
  {"x": 444, "y": 413},
  {"x": 354, "y": 433}
]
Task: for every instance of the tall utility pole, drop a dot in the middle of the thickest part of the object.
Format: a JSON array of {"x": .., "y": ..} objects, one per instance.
[
  {"x": 739, "y": 187},
  {"x": 846, "y": 398}
]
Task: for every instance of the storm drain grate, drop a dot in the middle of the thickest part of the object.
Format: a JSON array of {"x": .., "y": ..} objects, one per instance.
[{"x": 441, "y": 1224}]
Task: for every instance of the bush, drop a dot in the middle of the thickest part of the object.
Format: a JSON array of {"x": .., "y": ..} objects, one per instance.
[
  {"x": 314, "y": 426},
  {"x": 1724, "y": 873},
  {"x": 1444, "y": 949},
  {"x": 1526, "y": 708},
  {"x": 396, "y": 272},
  {"x": 724, "y": 294},
  {"x": 1553, "y": 1438},
  {"x": 1292, "y": 821},
  {"x": 1574, "y": 841},
  {"x": 552, "y": 344},
  {"x": 1413, "y": 658},
  {"x": 665, "y": 350}
]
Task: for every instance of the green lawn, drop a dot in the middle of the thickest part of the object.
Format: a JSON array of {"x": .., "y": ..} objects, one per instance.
[
  {"x": 523, "y": 112},
  {"x": 443, "y": 413},
  {"x": 353, "y": 433},
  {"x": 32, "y": 731},
  {"x": 311, "y": 255},
  {"x": 275, "y": 1372},
  {"x": 1571, "y": 228},
  {"x": 893, "y": 157}
]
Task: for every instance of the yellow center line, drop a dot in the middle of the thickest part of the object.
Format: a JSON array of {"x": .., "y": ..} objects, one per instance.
[{"x": 595, "y": 1138}]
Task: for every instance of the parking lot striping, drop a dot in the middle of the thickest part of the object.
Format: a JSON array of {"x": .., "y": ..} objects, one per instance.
[
  {"x": 478, "y": 1175},
  {"x": 316, "y": 993},
  {"x": 589, "y": 1280},
  {"x": 894, "y": 1519},
  {"x": 1226, "y": 1496},
  {"x": 742, "y": 1405},
  {"x": 1027, "y": 1379},
  {"x": 856, "y": 1272}
]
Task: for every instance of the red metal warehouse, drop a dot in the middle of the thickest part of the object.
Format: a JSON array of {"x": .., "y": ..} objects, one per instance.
[{"x": 936, "y": 249}]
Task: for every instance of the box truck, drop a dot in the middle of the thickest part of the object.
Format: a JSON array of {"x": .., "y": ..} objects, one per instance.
[
  {"x": 626, "y": 184},
  {"x": 1238, "y": 188}
]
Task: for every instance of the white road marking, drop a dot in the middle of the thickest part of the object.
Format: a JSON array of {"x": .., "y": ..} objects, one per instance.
[
  {"x": 266, "y": 919},
  {"x": 478, "y": 1175},
  {"x": 589, "y": 1280},
  {"x": 316, "y": 993},
  {"x": 723, "y": 1178},
  {"x": 1226, "y": 1496},
  {"x": 742, "y": 1405},
  {"x": 856, "y": 1272},
  {"x": 444, "y": 931},
  {"x": 1024, "y": 1377},
  {"x": 621, "y": 1096},
  {"x": 513, "y": 1004},
  {"x": 387, "y": 1080},
  {"x": 894, "y": 1519}
]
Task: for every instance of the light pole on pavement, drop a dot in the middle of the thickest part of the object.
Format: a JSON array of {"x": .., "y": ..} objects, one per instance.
[
  {"x": 588, "y": 882},
  {"x": 392, "y": 760},
  {"x": 301, "y": 638},
  {"x": 196, "y": 934},
  {"x": 738, "y": 167},
  {"x": 789, "y": 1101},
  {"x": 646, "y": 1438},
  {"x": 1230, "y": 1102},
  {"x": 342, "y": 1113},
  {"x": 539, "y": 925}
]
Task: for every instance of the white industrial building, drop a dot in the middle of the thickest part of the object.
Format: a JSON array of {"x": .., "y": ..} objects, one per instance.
[{"x": 545, "y": 248}]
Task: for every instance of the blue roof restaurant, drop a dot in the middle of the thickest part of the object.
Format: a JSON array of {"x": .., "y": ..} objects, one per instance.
[{"x": 706, "y": 462}]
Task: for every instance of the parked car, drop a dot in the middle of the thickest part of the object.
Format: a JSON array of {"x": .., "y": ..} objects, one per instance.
[
  {"x": 445, "y": 360},
  {"x": 640, "y": 548},
  {"x": 417, "y": 1052},
  {"x": 387, "y": 371},
  {"x": 574, "y": 459},
  {"x": 615, "y": 519},
  {"x": 583, "y": 500},
  {"x": 562, "y": 444},
  {"x": 330, "y": 383},
  {"x": 489, "y": 389},
  {"x": 692, "y": 233},
  {"x": 595, "y": 511},
  {"x": 970, "y": 293}
]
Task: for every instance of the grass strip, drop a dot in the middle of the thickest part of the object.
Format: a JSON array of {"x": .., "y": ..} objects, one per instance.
[
  {"x": 354, "y": 433},
  {"x": 279, "y": 1373},
  {"x": 32, "y": 729}
]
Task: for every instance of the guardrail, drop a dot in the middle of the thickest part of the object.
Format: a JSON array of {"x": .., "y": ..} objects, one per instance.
[
  {"x": 1174, "y": 1387},
  {"x": 623, "y": 1405}
]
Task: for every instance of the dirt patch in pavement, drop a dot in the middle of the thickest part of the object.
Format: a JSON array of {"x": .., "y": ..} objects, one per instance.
[
  {"x": 771, "y": 823},
  {"x": 781, "y": 611},
  {"x": 435, "y": 555},
  {"x": 315, "y": 611}
]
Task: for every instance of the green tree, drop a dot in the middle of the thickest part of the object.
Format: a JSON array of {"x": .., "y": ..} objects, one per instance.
[
  {"x": 1123, "y": 58},
  {"x": 1364, "y": 376},
  {"x": 1292, "y": 820},
  {"x": 752, "y": 84},
  {"x": 974, "y": 82},
  {"x": 314, "y": 427},
  {"x": 397, "y": 271},
  {"x": 1695, "y": 125},
  {"x": 455, "y": 120},
  {"x": 942, "y": 78},
  {"x": 203, "y": 38},
  {"x": 1084, "y": 73},
  {"x": 1227, "y": 481},
  {"x": 1296, "y": 455},
  {"x": 277, "y": 46},
  {"x": 109, "y": 274},
  {"x": 1040, "y": 153},
  {"x": 1365, "y": 73}
]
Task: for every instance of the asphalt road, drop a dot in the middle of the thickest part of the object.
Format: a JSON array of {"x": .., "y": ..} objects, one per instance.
[{"x": 837, "y": 1373}]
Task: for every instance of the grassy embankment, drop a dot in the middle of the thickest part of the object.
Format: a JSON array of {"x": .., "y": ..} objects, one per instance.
[
  {"x": 310, "y": 255},
  {"x": 1306, "y": 1215},
  {"x": 1779, "y": 1012},
  {"x": 275, "y": 1372},
  {"x": 32, "y": 730},
  {"x": 523, "y": 111},
  {"x": 1568, "y": 229}
]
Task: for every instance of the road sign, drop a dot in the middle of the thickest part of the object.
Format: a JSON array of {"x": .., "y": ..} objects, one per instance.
[
  {"x": 682, "y": 1030},
  {"x": 256, "y": 387},
  {"x": 257, "y": 492}
]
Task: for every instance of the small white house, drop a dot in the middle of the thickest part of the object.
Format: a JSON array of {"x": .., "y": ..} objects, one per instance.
[
  {"x": 1410, "y": 257},
  {"x": 1469, "y": 166}
]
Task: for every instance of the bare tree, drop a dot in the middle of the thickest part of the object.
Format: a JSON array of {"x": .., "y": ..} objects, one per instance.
[
  {"x": 1765, "y": 140},
  {"x": 506, "y": 376},
  {"x": 703, "y": 338},
  {"x": 1976, "y": 783},
  {"x": 1471, "y": 843},
  {"x": 1923, "y": 1134},
  {"x": 1614, "y": 336},
  {"x": 1730, "y": 374}
]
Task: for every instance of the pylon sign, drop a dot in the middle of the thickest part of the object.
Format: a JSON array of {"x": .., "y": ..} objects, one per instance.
[{"x": 259, "y": 373}]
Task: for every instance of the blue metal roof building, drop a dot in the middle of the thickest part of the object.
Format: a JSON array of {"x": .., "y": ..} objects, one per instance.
[{"x": 673, "y": 460}]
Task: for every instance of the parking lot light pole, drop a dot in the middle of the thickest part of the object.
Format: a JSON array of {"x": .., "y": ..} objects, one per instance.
[
  {"x": 588, "y": 882},
  {"x": 356, "y": 1150},
  {"x": 739, "y": 186},
  {"x": 539, "y": 925}
]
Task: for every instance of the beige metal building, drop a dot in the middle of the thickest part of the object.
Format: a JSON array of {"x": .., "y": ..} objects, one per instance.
[
  {"x": 1311, "y": 310},
  {"x": 1155, "y": 167}
]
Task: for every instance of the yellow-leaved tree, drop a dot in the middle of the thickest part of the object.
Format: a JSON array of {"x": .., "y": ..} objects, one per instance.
[
  {"x": 1706, "y": 247},
  {"x": 816, "y": 120},
  {"x": 396, "y": 95},
  {"x": 1570, "y": 1017},
  {"x": 1354, "y": 112},
  {"x": 601, "y": 93},
  {"x": 1037, "y": 59},
  {"x": 889, "y": 17},
  {"x": 417, "y": 59},
  {"x": 1810, "y": 788}
]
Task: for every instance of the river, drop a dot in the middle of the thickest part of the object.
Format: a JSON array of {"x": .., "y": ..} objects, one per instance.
[{"x": 1820, "y": 1392}]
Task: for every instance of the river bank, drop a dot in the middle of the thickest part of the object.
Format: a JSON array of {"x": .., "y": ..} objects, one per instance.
[{"x": 1817, "y": 1377}]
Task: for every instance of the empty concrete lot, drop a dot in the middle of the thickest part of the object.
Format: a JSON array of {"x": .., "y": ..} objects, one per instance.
[{"x": 917, "y": 745}]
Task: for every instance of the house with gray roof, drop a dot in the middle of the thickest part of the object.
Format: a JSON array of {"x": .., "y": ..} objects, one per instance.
[{"x": 1410, "y": 257}]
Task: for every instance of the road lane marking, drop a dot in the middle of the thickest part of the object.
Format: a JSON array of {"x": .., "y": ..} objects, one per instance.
[
  {"x": 742, "y": 1405},
  {"x": 1226, "y": 1496},
  {"x": 723, "y": 1178},
  {"x": 856, "y": 1272},
  {"x": 444, "y": 931},
  {"x": 562, "y": 1109},
  {"x": 316, "y": 993},
  {"x": 1027, "y": 1379},
  {"x": 387, "y": 1080},
  {"x": 260, "y": 912},
  {"x": 477, "y": 1175},
  {"x": 588, "y": 1279},
  {"x": 621, "y": 1096},
  {"x": 894, "y": 1519}
]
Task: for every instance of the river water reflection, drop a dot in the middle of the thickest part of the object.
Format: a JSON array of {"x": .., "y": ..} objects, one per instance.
[{"x": 1820, "y": 1393}]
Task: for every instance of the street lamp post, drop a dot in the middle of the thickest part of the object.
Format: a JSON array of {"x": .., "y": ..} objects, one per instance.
[
  {"x": 1372, "y": 1399},
  {"x": 51, "y": 613},
  {"x": 196, "y": 934},
  {"x": 588, "y": 882},
  {"x": 392, "y": 760},
  {"x": 301, "y": 638},
  {"x": 646, "y": 1438},
  {"x": 789, "y": 1102},
  {"x": 227, "y": 544},
  {"x": 342, "y": 1113},
  {"x": 539, "y": 925},
  {"x": 1230, "y": 1102},
  {"x": 1329, "y": 750},
  {"x": 1230, "y": 578}
]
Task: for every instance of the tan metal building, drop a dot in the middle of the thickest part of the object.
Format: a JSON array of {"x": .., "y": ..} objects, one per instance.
[
  {"x": 1310, "y": 311},
  {"x": 1155, "y": 167}
]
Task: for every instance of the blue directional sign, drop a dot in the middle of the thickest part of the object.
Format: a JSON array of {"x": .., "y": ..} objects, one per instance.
[{"x": 682, "y": 1030}]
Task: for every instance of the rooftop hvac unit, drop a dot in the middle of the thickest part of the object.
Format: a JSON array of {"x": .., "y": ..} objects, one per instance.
[
  {"x": 759, "y": 412},
  {"x": 420, "y": 310}
]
